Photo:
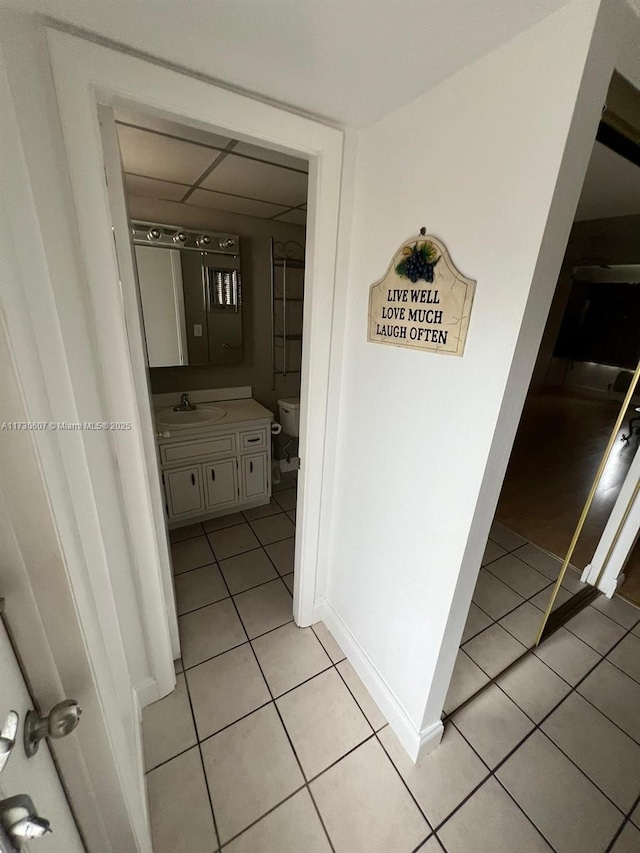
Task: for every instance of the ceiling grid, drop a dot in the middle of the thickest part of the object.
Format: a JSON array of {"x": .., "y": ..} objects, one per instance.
[{"x": 167, "y": 161}]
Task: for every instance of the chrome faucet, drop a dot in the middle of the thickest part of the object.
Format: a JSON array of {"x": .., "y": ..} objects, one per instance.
[{"x": 184, "y": 405}]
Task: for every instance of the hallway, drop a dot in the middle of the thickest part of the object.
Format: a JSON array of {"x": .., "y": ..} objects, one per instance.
[{"x": 271, "y": 744}]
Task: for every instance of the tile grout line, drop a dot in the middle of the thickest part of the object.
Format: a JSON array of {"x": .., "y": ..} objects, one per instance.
[
  {"x": 272, "y": 701},
  {"x": 491, "y": 774},
  {"x": 573, "y": 688},
  {"x": 616, "y": 594},
  {"x": 263, "y": 816},
  {"x": 293, "y": 749},
  {"x": 264, "y": 704},
  {"x": 204, "y": 771},
  {"x": 408, "y": 789},
  {"x": 238, "y": 645},
  {"x": 247, "y": 550},
  {"x": 258, "y": 665},
  {"x": 277, "y": 710},
  {"x": 529, "y": 601},
  {"x": 186, "y": 680},
  {"x": 537, "y": 727},
  {"x": 376, "y": 733},
  {"x": 228, "y": 527},
  {"x": 626, "y": 820},
  {"x": 239, "y": 592}
]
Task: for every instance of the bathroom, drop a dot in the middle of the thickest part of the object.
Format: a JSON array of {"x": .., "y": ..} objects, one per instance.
[{"x": 218, "y": 228}]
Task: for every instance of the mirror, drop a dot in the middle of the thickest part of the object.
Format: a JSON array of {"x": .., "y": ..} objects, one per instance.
[{"x": 190, "y": 295}]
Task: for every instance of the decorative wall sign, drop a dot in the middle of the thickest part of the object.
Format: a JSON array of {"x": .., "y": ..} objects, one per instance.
[{"x": 423, "y": 301}]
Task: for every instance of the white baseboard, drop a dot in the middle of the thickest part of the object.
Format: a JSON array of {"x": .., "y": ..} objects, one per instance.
[
  {"x": 417, "y": 743},
  {"x": 318, "y": 611},
  {"x": 607, "y": 585},
  {"x": 146, "y": 692},
  {"x": 586, "y": 572}
]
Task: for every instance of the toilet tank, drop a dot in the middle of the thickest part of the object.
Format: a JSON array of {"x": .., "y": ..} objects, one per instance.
[{"x": 289, "y": 415}]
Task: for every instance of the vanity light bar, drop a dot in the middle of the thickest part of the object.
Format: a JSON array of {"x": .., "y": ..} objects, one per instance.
[{"x": 216, "y": 242}]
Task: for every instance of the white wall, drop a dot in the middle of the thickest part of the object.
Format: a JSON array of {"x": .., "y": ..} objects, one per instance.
[{"x": 422, "y": 437}]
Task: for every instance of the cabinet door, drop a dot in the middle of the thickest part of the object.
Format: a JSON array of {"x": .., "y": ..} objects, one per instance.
[
  {"x": 221, "y": 482},
  {"x": 162, "y": 298},
  {"x": 254, "y": 475},
  {"x": 184, "y": 490}
]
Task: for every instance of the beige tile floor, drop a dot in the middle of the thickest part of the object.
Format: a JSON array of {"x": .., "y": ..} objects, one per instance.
[{"x": 271, "y": 744}]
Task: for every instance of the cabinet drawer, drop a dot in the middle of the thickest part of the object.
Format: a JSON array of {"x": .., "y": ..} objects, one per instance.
[
  {"x": 255, "y": 439},
  {"x": 206, "y": 447}
]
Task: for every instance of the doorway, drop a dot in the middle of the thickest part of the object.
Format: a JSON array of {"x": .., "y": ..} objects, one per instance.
[
  {"x": 87, "y": 75},
  {"x": 218, "y": 230},
  {"x": 176, "y": 96}
]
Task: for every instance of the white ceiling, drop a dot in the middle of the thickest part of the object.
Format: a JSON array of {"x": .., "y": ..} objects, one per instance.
[
  {"x": 351, "y": 61},
  {"x": 165, "y": 160},
  {"x": 611, "y": 186}
]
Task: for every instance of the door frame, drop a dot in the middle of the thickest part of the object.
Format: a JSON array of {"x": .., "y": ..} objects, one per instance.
[
  {"x": 619, "y": 535},
  {"x": 60, "y": 604},
  {"x": 86, "y": 75}
]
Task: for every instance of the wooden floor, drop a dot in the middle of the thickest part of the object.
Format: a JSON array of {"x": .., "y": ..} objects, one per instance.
[{"x": 560, "y": 441}]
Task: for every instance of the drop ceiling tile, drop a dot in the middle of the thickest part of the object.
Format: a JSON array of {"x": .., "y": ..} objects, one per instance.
[
  {"x": 173, "y": 128},
  {"x": 152, "y": 188},
  {"x": 156, "y": 156},
  {"x": 296, "y": 217},
  {"x": 233, "y": 204},
  {"x": 271, "y": 156},
  {"x": 258, "y": 180}
]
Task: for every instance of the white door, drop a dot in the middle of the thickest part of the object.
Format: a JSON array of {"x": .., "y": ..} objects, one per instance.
[{"x": 36, "y": 776}]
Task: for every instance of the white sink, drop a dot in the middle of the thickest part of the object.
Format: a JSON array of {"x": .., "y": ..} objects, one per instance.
[{"x": 195, "y": 417}]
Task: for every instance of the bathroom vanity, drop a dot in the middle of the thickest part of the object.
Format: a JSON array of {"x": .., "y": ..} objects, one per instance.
[{"x": 215, "y": 459}]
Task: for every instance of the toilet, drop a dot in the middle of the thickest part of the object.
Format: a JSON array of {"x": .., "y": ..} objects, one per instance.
[{"x": 289, "y": 415}]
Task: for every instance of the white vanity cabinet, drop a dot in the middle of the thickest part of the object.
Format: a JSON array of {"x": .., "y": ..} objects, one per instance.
[{"x": 215, "y": 470}]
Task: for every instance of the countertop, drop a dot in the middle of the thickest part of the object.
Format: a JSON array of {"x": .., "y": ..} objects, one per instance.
[{"x": 236, "y": 411}]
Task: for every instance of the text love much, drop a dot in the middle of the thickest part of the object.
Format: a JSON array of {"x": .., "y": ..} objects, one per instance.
[{"x": 400, "y": 314}]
